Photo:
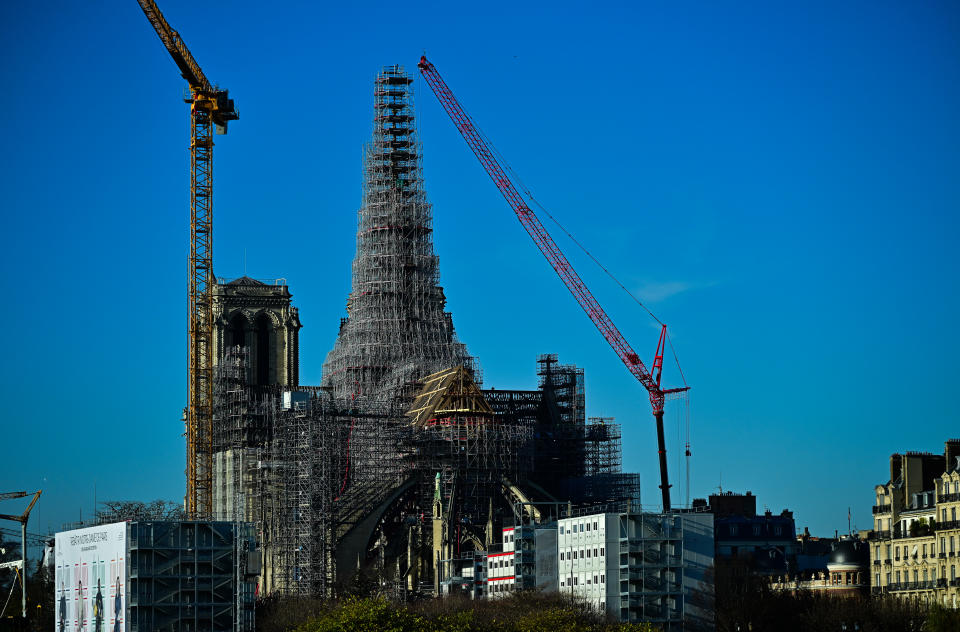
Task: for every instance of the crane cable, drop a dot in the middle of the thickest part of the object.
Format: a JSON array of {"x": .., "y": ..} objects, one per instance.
[
  {"x": 12, "y": 586},
  {"x": 529, "y": 194}
]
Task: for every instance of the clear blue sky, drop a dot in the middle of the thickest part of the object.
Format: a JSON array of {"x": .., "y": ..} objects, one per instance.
[{"x": 779, "y": 183}]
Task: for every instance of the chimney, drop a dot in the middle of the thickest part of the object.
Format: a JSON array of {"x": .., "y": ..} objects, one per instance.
[
  {"x": 952, "y": 453},
  {"x": 896, "y": 467}
]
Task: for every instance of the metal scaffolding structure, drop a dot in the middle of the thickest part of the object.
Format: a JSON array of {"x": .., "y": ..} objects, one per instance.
[
  {"x": 339, "y": 479},
  {"x": 560, "y": 453},
  {"x": 602, "y": 453},
  {"x": 462, "y": 452},
  {"x": 396, "y": 330}
]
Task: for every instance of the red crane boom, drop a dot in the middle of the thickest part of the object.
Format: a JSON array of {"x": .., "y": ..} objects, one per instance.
[{"x": 558, "y": 261}]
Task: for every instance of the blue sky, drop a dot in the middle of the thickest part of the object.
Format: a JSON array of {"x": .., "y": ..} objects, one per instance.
[{"x": 777, "y": 182}]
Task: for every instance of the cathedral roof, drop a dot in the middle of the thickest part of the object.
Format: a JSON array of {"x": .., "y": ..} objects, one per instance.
[
  {"x": 448, "y": 393},
  {"x": 245, "y": 280}
]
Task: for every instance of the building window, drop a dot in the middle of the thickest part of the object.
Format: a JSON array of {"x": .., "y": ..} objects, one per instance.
[
  {"x": 588, "y": 528},
  {"x": 595, "y": 552},
  {"x": 756, "y": 529},
  {"x": 602, "y": 579},
  {"x": 601, "y": 551},
  {"x": 595, "y": 526},
  {"x": 778, "y": 530},
  {"x": 733, "y": 529},
  {"x": 561, "y": 556},
  {"x": 588, "y": 553},
  {"x": 262, "y": 370},
  {"x": 561, "y": 529},
  {"x": 574, "y": 555}
]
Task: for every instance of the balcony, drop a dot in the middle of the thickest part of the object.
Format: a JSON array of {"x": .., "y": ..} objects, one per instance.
[
  {"x": 880, "y": 535},
  {"x": 881, "y": 509},
  {"x": 948, "y": 498},
  {"x": 919, "y": 585},
  {"x": 947, "y": 524},
  {"x": 876, "y": 562}
]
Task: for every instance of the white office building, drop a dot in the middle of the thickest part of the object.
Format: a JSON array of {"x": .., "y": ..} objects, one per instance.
[{"x": 640, "y": 566}]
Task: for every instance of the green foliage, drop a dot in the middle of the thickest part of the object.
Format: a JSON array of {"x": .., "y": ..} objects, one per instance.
[
  {"x": 919, "y": 527},
  {"x": 522, "y": 612}
]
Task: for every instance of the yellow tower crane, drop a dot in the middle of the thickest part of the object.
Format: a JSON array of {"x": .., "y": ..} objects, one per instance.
[{"x": 209, "y": 107}]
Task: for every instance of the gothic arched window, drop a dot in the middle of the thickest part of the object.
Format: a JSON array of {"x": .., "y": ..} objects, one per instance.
[{"x": 264, "y": 332}]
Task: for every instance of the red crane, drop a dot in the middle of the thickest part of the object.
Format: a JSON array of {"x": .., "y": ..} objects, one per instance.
[{"x": 559, "y": 262}]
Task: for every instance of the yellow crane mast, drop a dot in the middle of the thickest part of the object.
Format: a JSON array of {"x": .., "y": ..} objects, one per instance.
[{"x": 209, "y": 107}]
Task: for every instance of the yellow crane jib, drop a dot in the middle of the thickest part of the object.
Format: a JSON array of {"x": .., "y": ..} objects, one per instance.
[
  {"x": 209, "y": 107},
  {"x": 217, "y": 101}
]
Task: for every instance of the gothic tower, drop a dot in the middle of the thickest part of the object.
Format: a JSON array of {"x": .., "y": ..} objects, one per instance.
[
  {"x": 396, "y": 330},
  {"x": 250, "y": 313}
]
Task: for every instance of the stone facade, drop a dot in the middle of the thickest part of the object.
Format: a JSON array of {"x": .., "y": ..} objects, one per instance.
[
  {"x": 915, "y": 544},
  {"x": 251, "y": 313}
]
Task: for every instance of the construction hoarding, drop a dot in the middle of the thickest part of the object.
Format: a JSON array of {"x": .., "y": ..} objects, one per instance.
[{"x": 91, "y": 579}]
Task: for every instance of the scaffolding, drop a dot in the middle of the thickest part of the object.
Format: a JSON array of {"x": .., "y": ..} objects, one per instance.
[
  {"x": 397, "y": 330},
  {"x": 462, "y": 452},
  {"x": 602, "y": 452},
  {"x": 350, "y": 470}
]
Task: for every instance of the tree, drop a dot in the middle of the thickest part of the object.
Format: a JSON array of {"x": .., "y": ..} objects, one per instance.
[{"x": 134, "y": 510}]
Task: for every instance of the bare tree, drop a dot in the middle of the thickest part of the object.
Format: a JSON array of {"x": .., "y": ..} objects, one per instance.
[{"x": 134, "y": 510}]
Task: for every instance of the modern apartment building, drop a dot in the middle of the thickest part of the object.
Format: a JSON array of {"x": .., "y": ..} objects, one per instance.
[
  {"x": 639, "y": 566},
  {"x": 915, "y": 543}
]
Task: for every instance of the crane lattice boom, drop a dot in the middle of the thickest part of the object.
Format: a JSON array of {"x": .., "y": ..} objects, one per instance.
[
  {"x": 558, "y": 261},
  {"x": 209, "y": 107}
]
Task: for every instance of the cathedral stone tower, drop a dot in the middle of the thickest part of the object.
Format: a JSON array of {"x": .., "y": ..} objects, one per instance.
[
  {"x": 250, "y": 313},
  {"x": 396, "y": 330}
]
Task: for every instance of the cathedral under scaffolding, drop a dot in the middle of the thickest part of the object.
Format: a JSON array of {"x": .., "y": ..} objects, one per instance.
[{"x": 399, "y": 458}]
